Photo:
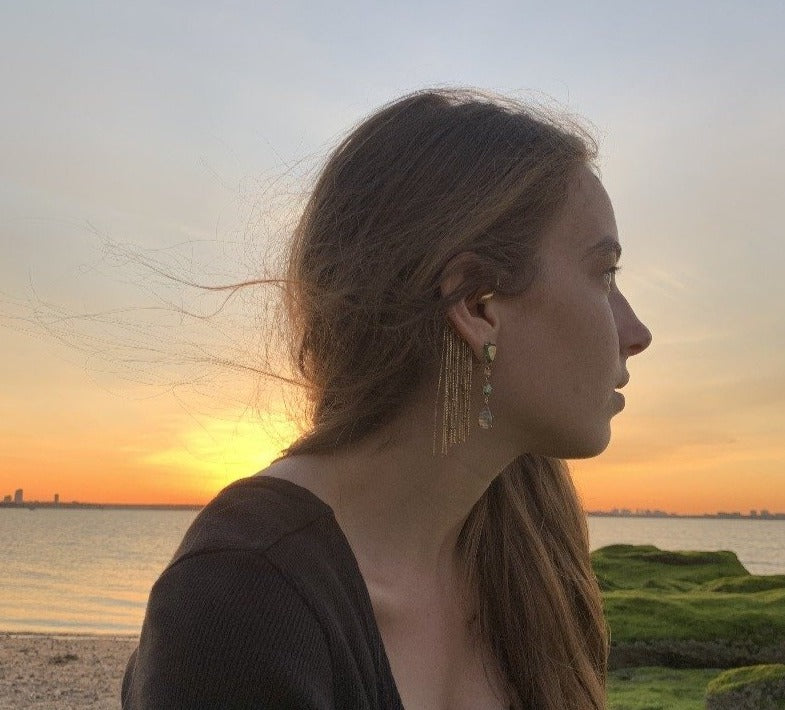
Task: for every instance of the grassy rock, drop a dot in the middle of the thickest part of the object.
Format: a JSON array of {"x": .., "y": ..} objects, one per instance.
[
  {"x": 659, "y": 688},
  {"x": 689, "y": 609},
  {"x": 646, "y": 566},
  {"x": 746, "y": 585},
  {"x": 751, "y": 688},
  {"x": 692, "y": 654}
]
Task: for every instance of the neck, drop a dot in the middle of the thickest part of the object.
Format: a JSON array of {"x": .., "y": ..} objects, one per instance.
[{"x": 400, "y": 505}]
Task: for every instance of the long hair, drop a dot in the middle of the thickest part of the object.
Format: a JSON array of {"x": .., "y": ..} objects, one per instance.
[{"x": 432, "y": 175}]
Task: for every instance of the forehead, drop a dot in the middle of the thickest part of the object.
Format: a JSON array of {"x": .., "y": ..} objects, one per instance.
[{"x": 586, "y": 218}]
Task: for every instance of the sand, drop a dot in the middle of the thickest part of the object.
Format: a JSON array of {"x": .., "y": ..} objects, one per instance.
[{"x": 67, "y": 672}]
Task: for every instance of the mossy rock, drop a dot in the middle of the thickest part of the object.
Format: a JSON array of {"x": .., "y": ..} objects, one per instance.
[
  {"x": 695, "y": 629},
  {"x": 759, "y": 687},
  {"x": 745, "y": 585},
  {"x": 688, "y": 609},
  {"x": 659, "y": 688},
  {"x": 720, "y": 653},
  {"x": 635, "y": 566},
  {"x": 697, "y": 615}
]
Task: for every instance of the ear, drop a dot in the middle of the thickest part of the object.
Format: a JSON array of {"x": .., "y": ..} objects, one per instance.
[{"x": 475, "y": 317}]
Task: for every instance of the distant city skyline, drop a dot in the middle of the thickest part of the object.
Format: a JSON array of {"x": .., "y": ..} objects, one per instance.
[{"x": 763, "y": 513}]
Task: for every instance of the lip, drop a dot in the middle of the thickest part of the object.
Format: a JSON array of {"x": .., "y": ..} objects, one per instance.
[{"x": 620, "y": 401}]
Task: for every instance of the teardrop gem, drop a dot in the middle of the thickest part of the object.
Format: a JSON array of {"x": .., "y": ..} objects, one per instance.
[
  {"x": 486, "y": 419},
  {"x": 489, "y": 350},
  {"x": 487, "y": 389}
]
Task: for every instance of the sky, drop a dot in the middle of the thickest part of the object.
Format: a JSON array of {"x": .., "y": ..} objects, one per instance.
[{"x": 184, "y": 134}]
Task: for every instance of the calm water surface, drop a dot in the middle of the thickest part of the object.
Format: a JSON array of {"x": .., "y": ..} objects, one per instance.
[
  {"x": 83, "y": 570},
  {"x": 91, "y": 570},
  {"x": 759, "y": 544}
]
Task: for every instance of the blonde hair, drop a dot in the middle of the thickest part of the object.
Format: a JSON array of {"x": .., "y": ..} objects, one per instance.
[{"x": 430, "y": 176}]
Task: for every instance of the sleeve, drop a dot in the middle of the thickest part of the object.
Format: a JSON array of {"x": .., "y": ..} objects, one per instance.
[{"x": 227, "y": 630}]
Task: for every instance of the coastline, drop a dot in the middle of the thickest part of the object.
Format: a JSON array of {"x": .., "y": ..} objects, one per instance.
[{"x": 49, "y": 670}]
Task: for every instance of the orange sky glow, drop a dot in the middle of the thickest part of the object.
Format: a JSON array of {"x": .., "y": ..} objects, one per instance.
[
  {"x": 190, "y": 145},
  {"x": 105, "y": 448}
]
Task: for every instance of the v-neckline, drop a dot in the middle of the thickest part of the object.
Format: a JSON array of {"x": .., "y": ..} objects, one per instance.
[{"x": 359, "y": 582}]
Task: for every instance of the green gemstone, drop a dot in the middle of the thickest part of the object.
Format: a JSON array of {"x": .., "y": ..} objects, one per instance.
[{"x": 487, "y": 389}]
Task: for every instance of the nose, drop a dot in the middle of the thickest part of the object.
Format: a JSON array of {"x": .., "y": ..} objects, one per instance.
[{"x": 634, "y": 336}]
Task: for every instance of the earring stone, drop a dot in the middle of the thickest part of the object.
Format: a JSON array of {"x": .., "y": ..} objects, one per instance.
[
  {"x": 489, "y": 351},
  {"x": 485, "y": 420}
]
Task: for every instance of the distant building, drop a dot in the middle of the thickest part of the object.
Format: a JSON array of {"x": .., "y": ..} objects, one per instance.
[
  {"x": 19, "y": 496},
  {"x": 7, "y": 499},
  {"x": 57, "y": 499}
]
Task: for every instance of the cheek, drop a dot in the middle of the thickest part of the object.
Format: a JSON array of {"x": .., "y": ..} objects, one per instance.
[
  {"x": 562, "y": 334},
  {"x": 575, "y": 345},
  {"x": 582, "y": 321}
]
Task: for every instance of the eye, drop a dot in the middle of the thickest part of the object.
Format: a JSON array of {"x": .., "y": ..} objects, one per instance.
[{"x": 610, "y": 276}]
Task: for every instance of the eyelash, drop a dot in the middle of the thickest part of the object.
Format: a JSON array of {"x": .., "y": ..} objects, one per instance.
[{"x": 611, "y": 274}]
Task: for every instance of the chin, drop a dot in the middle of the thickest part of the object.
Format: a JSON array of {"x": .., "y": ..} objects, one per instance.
[
  {"x": 587, "y": 453},
  {"x": 581, "y": 447}
]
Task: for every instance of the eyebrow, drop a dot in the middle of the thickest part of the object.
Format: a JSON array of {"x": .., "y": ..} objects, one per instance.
[{"x": 606, "y": 244}]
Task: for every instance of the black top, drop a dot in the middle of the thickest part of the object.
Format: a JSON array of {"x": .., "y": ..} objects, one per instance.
[{"x": 262, "y": 606}]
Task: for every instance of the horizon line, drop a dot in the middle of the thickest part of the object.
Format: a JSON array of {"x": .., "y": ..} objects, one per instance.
[{"x": 753, "y": 514}]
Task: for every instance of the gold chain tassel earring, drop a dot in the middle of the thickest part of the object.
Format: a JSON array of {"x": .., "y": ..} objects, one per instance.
[
  {"x": 486, "y": 417},
  {"x": 454, "y": 390}
]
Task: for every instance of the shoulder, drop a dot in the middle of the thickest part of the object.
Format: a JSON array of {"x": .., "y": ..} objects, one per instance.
[
  {"x": 253, "y": 514},
  {"x": 268, "y": 527},
  {"x": 259, "y": 607},
  {"x": 261, "y": 537},
  {"x": 227, "y": 627}
]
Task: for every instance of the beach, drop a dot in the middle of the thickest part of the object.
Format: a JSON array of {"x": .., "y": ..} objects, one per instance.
[
  {"x": 67, "y": 672},
  {"x": 75, "y": 587}
]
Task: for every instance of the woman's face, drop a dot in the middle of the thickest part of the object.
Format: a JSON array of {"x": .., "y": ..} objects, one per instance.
[{"x": 563, "y": 345}]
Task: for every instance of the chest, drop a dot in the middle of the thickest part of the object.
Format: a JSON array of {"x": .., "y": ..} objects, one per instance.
[{"x": 438, "y": 663}]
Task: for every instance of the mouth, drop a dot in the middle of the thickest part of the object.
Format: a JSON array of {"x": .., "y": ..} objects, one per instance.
[{"x": 623, "y": 382}]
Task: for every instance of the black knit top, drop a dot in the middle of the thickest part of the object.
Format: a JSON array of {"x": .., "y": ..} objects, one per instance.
[{"x": 262, "y": 606}]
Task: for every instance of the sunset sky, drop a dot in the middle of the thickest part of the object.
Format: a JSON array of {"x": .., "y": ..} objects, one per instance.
[{"x": 186, "y": 131}]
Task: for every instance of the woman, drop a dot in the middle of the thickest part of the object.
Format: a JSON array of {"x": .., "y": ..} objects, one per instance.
[{"x": 457, "y": 322}]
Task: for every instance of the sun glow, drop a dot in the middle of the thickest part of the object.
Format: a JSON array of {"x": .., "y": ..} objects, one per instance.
[{"x": 220, "y": 451}]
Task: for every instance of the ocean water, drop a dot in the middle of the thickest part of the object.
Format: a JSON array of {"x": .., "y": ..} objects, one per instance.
[
  {"x": 90, "y": 571},
  {"x": 759, "y": 544},
  {"x": 85, "y": 571}
]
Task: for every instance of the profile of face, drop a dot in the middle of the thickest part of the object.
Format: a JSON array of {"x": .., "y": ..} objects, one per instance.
[{"x": 564, "y": 343}]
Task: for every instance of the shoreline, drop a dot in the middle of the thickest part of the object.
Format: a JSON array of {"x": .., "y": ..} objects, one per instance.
[
  {"x": 40, "y": 670},
  {"x": 70, "y": 634},
  {"x": 33, "y": 505}
]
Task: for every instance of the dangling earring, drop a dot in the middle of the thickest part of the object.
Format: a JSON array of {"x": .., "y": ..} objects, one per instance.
[
  {"x": 485, "y": 420},
  {"x": 454, "y": 390},
  {"x": 486, "y": 417}
]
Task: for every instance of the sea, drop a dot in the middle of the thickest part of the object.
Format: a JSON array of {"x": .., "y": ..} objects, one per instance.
[{"x": 90, "y": 571}]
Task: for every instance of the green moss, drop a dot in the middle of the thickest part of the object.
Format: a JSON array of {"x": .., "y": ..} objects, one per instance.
[
  {"x": 746, "y": 585},
  {"x": 654, "y": 688},
  {"x": 635, "y": 566},
  {"x": 688, "y": 609},
  {"x": 737, "y": 678},
  {"x": 695, "y": 615}
]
